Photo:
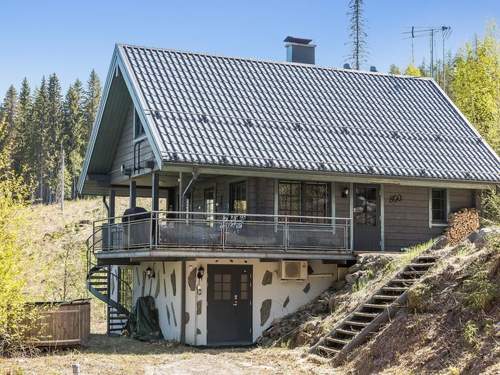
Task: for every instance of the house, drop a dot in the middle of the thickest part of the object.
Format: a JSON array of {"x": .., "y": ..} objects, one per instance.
[{"x": 264, "y": 180}]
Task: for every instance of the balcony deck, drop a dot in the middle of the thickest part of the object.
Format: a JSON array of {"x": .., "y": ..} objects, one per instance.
[{"x": 162, "y": 235}]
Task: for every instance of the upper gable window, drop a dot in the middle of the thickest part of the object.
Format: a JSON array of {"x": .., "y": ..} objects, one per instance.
[{"x": 138, "y": 127}]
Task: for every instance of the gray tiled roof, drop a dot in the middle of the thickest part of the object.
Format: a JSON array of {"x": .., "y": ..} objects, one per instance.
[{"x": 241, "y": 112}]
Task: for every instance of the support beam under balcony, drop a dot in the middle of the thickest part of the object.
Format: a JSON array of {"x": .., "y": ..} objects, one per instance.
[
  {"x": 133, "y": 194},
  {"x": 111, "y": 207},
  {"x": 155, "y": 192}
]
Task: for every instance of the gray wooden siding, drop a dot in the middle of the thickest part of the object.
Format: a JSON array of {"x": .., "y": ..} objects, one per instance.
[
  {"x": 407, "y": 221},
  {"x": 461, "y": 199},
  {"x": 260, "y": 194},
  {"x": 342, "y": 205},
  {"x": 125, "y": 150}
]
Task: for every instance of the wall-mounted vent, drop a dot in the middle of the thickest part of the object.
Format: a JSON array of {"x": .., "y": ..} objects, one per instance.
[{"x": 293, "y": 270}]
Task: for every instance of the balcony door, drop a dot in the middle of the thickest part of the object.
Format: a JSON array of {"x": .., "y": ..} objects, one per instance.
[{"x": 366, "y": 217}]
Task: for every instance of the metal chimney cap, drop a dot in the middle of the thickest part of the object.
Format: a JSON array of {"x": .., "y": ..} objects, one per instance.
[
  {"x": 373, "y": 68},
  {"x": 292, "y": 39}
]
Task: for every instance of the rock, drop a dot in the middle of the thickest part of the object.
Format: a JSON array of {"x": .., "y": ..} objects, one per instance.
[
  {"x": 354, "y": 268},
  {"x": 440, "y": 243},
  {"x": 337, "y": 285}
]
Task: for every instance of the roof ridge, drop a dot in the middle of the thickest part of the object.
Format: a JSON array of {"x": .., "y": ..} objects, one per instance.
[{"x": 311, "y": 66}]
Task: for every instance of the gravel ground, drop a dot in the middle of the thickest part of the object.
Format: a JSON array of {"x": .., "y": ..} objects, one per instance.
[{"x": 121, "y": 355}]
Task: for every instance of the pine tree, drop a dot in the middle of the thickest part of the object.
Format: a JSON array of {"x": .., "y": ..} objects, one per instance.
[
  {"x": 40, "y": 129},
  {"x": 54, "y": 133},
  {"x": 357, "y": 34},
  {"x": 72, "y": 133},
  {"x": 25, "y": 135},
  {"x": 90, "y": 107},
  {"x": 8, "y": 110}
]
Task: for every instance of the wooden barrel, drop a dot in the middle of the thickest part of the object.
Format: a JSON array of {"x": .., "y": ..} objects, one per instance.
[{"x": 61, "y": 324}]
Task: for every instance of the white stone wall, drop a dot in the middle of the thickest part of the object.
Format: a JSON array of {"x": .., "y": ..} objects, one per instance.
[
  {"x": 285, "y": 296},
  {"x": 165, "y": 287}
]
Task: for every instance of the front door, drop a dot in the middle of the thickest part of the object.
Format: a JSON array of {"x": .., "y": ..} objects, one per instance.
[
  {"x": 366, "y": 217},
  {"x": 229, "y": 308}
]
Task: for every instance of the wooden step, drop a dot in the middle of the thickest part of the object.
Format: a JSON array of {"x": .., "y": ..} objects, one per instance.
[
  {"x": 328, "y": 350},
  {"x": 384, "y": 297},
  {"x": 100, "y": 289},
  {"x": 403, "y": 280},
  {"x": 413, "y": 273},
  {"x": 337, "y": 341},
  {"x": 346, "y": 332},
  {"x": 356, "y": 324},
  {"x": 420, "y": 265},
  {"x": 365, "y": 315},
  {"x": 394, "y": 288},
  {"x": 424, "y": 257},
  {"x": 375, "y": 306}
]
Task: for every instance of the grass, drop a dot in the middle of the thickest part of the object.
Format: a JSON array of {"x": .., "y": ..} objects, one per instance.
[{"x": 407, "y": 257}]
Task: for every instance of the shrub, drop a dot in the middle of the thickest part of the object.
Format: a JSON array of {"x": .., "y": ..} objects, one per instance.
[
  {"x": 471, "y": 333},
  {"x": 490, "y": 203},
  {"x": 14, "y": 317},
  {"x": 418, "y": 298},
  {"x": 480, "y": 292}
]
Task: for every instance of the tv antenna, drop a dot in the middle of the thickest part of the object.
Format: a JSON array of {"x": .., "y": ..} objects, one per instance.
[{"x": 431, "y": 33}]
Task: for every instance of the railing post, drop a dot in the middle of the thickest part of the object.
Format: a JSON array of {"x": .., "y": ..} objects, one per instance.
[
  {"x": 223, "y": 231},
  {"x": 151, "y": 231},
  {"x": 285, "y": 233}
]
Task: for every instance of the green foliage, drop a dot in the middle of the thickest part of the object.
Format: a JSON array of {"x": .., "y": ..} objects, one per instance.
[
  {"x": 479, "y": 291},
  {"x": 43, "y": 125},
  {"x": 14, "y": 318},
  {"x": 407, "y": 257},
  {"x": 490, "y": 203},
  {"x": 475, "y": 87},
  {"x": 394, "y": 69},
  {"x": 471, "y": 334},
  {"x": 418, "y": 298},
  {"x": 412, "y": 70}
]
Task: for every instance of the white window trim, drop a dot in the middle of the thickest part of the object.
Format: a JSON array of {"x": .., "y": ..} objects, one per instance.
[{"x": 431, "y": 224}]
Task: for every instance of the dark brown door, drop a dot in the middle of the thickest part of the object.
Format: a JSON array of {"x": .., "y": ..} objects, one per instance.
[
  {"x": 366, "y": 217},
  {"x": 229, "y": 309}
]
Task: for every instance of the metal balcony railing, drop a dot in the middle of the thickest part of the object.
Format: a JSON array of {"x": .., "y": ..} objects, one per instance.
[{"x": 221, "y": 231}]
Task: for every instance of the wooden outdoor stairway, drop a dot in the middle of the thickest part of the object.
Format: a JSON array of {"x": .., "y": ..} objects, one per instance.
[{"x": 368, "y": 317}]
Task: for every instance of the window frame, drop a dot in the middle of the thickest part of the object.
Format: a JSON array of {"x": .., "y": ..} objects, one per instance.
[
  {"x": 444, "y": 223},
  {"x": 231, "y": 196},
  {"x": 138, "y": 136},
  {"x": 303, "y": 206}
]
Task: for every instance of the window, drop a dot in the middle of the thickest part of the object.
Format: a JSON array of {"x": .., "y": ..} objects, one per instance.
[
  {"x": 209, "y": 198},
  {"x": 238, "y": 197},
  {"x": 289, "y": 198},
  {"x": 302, "y": 199},
  {"x": 365, "y": 205},
  {"x": 222, "y": 287},
  {"x": 439, "y": 206},
  {"x": 138, "y": 127}
]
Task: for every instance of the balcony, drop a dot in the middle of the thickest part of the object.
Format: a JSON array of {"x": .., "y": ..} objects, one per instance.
[{"x": 220, "y": 234}]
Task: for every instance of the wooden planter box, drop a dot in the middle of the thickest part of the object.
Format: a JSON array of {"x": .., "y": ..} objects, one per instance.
[{"x": 61, "y": 324}]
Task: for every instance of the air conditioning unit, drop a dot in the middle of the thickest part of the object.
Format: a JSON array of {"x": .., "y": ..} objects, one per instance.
[{"x": 293, "y": 270}]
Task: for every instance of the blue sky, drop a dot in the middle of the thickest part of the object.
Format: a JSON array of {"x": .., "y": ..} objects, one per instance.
[{"x": 70, "y": 37}]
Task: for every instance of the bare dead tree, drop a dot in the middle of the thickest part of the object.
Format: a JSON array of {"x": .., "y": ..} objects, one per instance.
[{"x": 357, "y": 34}]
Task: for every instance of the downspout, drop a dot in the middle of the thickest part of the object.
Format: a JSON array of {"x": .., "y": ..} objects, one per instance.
[{"x": 189, "y": 187}]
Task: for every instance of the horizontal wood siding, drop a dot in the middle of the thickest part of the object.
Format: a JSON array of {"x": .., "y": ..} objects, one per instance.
[
  {"x": 407, "y": 221},
  {"x": 125, "y": 150},
  {"x": 461, "y": 198},
  {"x": 341, "y": 204}
]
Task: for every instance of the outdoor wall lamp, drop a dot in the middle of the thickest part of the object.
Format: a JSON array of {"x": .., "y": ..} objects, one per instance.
[
  {"x": 126, "y": 171},
  {"x": 200, "y": 273},
  {"x": 345, "y": 192},
  {"x": 150, "y": 273}
]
